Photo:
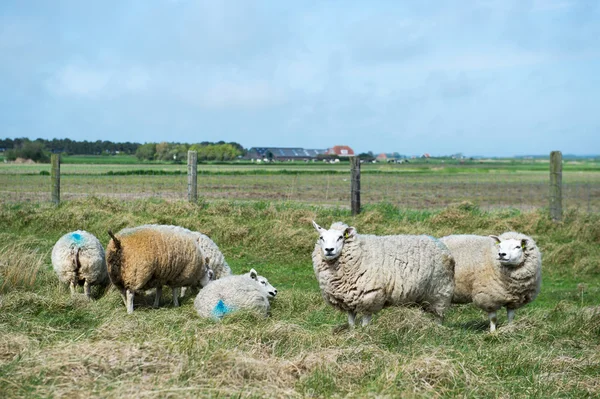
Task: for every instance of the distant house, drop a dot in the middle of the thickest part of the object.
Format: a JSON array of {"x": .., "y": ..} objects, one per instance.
[
  {"x": 282, "y": 154},
  {"x": 340, "y": 151},
  {"x": 389, "y": 157}
]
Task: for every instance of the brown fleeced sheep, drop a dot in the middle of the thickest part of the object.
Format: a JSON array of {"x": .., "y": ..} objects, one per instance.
[{"x": 150, "y": 256}]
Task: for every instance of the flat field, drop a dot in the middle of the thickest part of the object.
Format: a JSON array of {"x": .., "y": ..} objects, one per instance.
[
  {"x": 491, "y": 184},
  {"x": 53, "y": 345}
]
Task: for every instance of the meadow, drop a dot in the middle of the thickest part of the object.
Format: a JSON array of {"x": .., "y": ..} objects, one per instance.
[
  {"x": 420, "y": 184},
  {"x": 53, "y": 345}
]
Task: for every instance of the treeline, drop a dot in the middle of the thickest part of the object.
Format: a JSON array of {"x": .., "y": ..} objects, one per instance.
[
  {"x": 39, "y": 150},
  {"x": 176, "y": 152},
  {"x": 73, "y": 147}
]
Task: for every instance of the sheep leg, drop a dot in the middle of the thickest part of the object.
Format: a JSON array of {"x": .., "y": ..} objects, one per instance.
[
  {"x": 351, "y": 317},
  {"x": 123, "y": 296},
  {"x": 183, "y": 291},
  {"x": 511, "y": 314},
  {"x": 176, "y": 296},
  {"x": 129, "y": 303},
  {"x": 493, "y": 321},
  {"x": 87, "y": 290},
  {"x": 72, "y": 287},
  {"x": 366, "y": 319},
  {"x": 157, "y": 297}
]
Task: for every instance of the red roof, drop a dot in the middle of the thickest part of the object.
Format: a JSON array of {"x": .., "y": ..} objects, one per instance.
[{"x": 341, "y": 150}]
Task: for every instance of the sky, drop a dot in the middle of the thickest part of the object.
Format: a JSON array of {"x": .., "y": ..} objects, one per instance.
[{"x": 479, "y": 77}]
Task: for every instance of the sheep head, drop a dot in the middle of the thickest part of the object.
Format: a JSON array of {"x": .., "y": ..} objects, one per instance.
[
  {"x": 208, "y": 276},
  {"x": 511, "y": 252},
  {"x": 271, "y": 291},
  {"x": 332, "y": 241}
]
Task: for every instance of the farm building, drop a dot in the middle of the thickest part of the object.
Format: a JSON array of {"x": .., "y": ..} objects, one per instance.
[
  {"x": 283, "y": 154},
  {"x": 341, "y": 151},
  {"x": 389, "y": 157}
]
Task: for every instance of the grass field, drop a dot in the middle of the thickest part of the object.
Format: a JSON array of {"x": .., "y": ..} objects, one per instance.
[
  {"x": 521, "y": 185},
  {"x": 52, "y": 345}
]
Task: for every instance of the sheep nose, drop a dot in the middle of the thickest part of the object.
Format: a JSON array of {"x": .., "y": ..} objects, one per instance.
[
  {"x": 328, "y": 250},
  {"x": 501, "y": 254}
]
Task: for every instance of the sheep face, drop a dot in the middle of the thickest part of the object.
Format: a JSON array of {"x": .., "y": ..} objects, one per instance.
[
  {"x": 510, "y": 252},
  {"x": 332, "y": 241},
  {"x": 209, "y": 276},
  {"x": 271, "y": 291}
]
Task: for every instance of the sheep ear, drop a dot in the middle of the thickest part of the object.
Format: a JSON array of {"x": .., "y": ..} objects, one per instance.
[
  {"x": 317, "y": 227},
  {"x": 524, "y": 243},
  {"x": 349, "y": 232},
  {"x": 253, "y": 274},
  {"x": 496, "y": 238}
]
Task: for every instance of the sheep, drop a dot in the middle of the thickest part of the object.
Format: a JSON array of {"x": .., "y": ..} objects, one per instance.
[
  {"x": 78, "y": 258},
  {"x": 213, "y": 255},
  {"x": 150, "y": 256},
  {"x": 236, "y": 292},
  {"x": 493, "y": 272},
  {"x": 361, "y": 274}
]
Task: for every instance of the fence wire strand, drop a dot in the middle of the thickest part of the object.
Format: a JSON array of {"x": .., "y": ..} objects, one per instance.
[{"x": 524, "y": 191}]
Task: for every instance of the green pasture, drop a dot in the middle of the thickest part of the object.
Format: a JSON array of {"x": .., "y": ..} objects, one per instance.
[{"x": 52, "y": 345}]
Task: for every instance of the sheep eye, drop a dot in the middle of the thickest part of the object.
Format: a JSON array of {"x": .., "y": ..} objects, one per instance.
[
  {"x": 518, "y": 247},
  {"x": 263, "y": 283},
  {"x": 340, "y": 238},
  {"x": 321, "y": 237}
]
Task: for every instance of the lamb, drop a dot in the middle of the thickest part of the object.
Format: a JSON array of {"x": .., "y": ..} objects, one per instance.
[
  {"x": 78, "y": 259},
  {"x": 493, "y": 272},
  {"x": 236, "y": 292},
  {"x": 361, "y": 274},
  {"x": 150, "y": 256}
]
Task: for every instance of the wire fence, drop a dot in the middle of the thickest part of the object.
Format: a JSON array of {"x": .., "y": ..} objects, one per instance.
[{"x": 523, "y": 190}]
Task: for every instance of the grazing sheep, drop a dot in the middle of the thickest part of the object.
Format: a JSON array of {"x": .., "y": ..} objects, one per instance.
[
  {"x": 151, "y": 256},
  {"x": 78, "y": 259},
  {"x": 493, "y": 272},
  {"x": 247, "y": 291},
  {"x": 364, "y": 273},
  {"x": 213, "y": 255}
]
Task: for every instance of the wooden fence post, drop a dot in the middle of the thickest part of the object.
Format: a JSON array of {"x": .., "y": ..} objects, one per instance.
[
  {"x": 556, "y": 185},
  {"x": 355, "y": 185},
  {"x": 55, "y": 177},
  {"x": 192, "y": 164}
]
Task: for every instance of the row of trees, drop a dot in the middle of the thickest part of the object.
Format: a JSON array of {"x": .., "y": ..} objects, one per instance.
[
  {"x": 39, "y": 150},
  {"x": 176, "y": 152},
  {"x": 73, "y": 147}
]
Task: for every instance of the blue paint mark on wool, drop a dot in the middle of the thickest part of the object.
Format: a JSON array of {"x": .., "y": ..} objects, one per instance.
[
  {"x": 221, "y": 309},
  {"x": 77, "y": 238}
]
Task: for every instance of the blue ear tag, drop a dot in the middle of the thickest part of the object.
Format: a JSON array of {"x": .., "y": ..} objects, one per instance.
[{"x": 221, "y": 309}]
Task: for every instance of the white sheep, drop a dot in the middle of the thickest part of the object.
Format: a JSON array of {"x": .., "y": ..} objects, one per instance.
[
  {"x": 151, "y": 256},
  {"x": 493, "y": 272},
  {"x": 360, "y": 273},
  {"x": 78, "y": 258},
  {"x": 213, "y": 255},
  {"x": 236, "y": 292}
]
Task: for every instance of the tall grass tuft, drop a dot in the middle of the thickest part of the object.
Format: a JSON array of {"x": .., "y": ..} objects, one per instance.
[{"x": 19, "y": 266}]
